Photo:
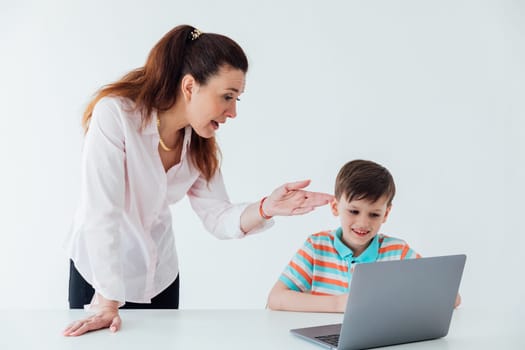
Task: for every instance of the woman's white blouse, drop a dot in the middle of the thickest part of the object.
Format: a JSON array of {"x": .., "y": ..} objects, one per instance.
[{"x": 121, "y": 239}]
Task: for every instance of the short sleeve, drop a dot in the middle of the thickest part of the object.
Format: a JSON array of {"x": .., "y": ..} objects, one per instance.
[
  {"x": 409, "y": 253},
  {"x": 298, "y": 273}
]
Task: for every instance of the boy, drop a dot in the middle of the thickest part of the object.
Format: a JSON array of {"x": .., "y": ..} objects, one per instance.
[{"x": 318, "y": 276}]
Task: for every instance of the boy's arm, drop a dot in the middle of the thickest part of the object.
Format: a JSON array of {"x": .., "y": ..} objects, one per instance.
[{"x": 282, "y": 298}]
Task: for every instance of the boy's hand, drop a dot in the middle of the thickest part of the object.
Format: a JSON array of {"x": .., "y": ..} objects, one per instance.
[{"x": 458, "y": 301}]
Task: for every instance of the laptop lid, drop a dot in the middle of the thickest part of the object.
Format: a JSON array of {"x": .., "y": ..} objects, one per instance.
[{"x": 393, "y": 302}]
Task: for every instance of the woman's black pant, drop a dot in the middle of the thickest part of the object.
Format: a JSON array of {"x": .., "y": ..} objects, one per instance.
[{"x": 81, "y": 293}]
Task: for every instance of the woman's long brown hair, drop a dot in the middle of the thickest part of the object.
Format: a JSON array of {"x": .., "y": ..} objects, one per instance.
[{"x": 154, "y": 86}]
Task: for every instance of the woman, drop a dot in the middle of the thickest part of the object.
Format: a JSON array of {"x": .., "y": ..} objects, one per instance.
[{"x": 149, "y": 141}]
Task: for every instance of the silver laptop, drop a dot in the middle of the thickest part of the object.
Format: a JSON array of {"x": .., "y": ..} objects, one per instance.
[{"x": 394, "y": 302}]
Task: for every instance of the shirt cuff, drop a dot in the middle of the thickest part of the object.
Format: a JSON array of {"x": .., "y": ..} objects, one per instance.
[
  {"x": 266, "y": 224},
  {"x": 95, "y": 306}
]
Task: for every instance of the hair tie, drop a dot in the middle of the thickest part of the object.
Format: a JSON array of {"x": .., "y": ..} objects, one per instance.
[{"x": 195, "y": 33}]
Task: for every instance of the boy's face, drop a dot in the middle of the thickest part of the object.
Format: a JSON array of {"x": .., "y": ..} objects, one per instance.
[{"x": 360, "y": 220}]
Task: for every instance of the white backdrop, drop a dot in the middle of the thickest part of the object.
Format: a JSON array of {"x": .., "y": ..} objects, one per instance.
[{"x": 434, "y": 90}]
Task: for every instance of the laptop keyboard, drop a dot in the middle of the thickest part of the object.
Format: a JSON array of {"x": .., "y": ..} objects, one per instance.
[{"x": 332, "y": 339}]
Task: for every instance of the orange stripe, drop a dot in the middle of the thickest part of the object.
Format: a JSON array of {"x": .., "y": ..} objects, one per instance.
[
  {"x": 392, "y": 247},
  {"x": 331, "y": 281},
  {"x": 319, "y": 293},
  {"x": 306, "y": 256},
  {"x": 324, "y": 248},
  {"x": 404, "y": 252},
  {"x": 322, "y": 234},
  {"x": 300, "y": 270},
  {"x": 332, "y": 265}
]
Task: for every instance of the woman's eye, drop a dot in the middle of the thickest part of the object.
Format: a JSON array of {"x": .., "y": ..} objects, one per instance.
[
  {"x": 354, "y": 212},
  {"x": 374, "y": 215}
]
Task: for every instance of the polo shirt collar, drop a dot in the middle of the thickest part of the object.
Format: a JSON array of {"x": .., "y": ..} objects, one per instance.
[{"x": 370, "y": 254}]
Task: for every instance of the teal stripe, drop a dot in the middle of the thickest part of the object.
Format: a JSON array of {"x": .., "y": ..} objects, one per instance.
[
  {"x": 323, "y": 253},
  {"x": 289, "y": 283},
  {"x": 318, "y": 252},
  {"x": 329, "y": 286},
  {"x": 324, "y": 239},
  {"x": 330, "y": 270},
  {"x": 389, "y": 254},
  {"x": 292, "y": 272},
  {"x": 410, "y": 254},
  {"x": 308, "y": 246},
  {"x": 302, "y": 259}
]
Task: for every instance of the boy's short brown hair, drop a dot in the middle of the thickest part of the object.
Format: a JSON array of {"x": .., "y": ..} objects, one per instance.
[{"x": 364, "y": 179}]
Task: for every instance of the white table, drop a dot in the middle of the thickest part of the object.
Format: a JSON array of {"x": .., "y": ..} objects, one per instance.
[{"x": 236, "y": 329}]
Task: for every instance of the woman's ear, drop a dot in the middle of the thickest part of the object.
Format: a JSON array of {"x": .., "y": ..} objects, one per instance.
[
  {"x": 187, "y": 86},
  {"x": 334, "y": 206}
]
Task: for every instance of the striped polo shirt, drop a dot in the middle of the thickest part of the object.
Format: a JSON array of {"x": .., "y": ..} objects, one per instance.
[{"x": 324, "y": 264}]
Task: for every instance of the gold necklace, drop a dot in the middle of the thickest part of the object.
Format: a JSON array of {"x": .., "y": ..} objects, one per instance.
[{"x": 161, "y": 142}]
